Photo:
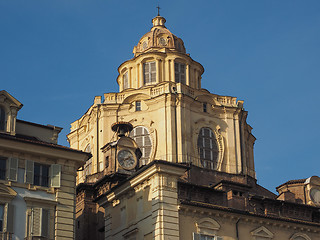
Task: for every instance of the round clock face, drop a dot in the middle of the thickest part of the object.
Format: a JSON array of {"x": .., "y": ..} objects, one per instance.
[
  {"x": 315, "y": 195},
  {"x": 162, "y": 41},
  {"x": 144, "y": 45},
  {"x": 126, "y": 159}
]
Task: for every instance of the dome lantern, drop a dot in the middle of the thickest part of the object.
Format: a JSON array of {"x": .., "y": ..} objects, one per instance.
[{"x": 159, "y": 39}]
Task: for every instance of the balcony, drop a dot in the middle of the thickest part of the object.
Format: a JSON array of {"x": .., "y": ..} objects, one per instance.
[{"x": 5, "y": 236}]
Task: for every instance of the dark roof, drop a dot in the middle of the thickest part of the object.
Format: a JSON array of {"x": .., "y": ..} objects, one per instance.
[
  {"x": 38, "y": 125},
  {"x": 33, "y": 140},
  {"x": 292, "y": 182},
  {"x": 228, "y": 209}
]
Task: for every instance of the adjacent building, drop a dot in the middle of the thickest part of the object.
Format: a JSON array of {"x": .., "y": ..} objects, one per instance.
[
  {"x": 194, "y": 177},
  {"x": 37, "y": 178}
]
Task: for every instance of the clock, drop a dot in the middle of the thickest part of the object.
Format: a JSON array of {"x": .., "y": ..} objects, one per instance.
[
  {"x": 315, "y": 195},
  {"x": 126, "y": 159},
  {"x": 162, "y": 41},
  {"x": 144, "y": 45}
]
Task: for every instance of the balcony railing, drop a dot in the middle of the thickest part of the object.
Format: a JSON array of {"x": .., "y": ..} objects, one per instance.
[{"x": 5, "y": 236}]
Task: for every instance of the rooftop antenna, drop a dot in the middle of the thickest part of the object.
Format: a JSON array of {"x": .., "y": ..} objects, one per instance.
[{"x": 158, "y": 10}]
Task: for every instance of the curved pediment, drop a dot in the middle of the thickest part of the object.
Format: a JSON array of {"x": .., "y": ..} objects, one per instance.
[
  {"x": 6, "y": 193},
  {"x": 300, "y": 236},
  {"x": 208, "y": 99},
  {"x": 207, "y": 226},
  {"x": 10, "y": 100},
  {"x": 135, "y": 97}
]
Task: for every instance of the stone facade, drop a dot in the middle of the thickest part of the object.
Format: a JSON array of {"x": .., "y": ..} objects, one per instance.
[
  {"x": 196, "y": 177},
  {"x": 37, "y": 178}
]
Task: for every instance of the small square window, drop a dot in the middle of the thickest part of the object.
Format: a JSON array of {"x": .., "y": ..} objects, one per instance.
[
  {"x": 204, "y": 106},
  {"x": 138, "y": 105}
]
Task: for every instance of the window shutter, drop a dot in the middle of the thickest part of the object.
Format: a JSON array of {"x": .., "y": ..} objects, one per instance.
[
  {"x": 45, "y": 222},
  {"x": 146, "y": 73},
  {"x": 153, "y": 72},
  {"x": 196, "y": 236},
  {"x": 29, "y": 172},
  {"x": 36, "y": 222},
  {"x": 13, "y": 169},
  {"x": 55, "y": 174},
  {"x": 182, "y": 73},
  {"x": 10, "y": 215},
  {"x": 150, "y": 72},
  {"x": 125, "y": 81}
]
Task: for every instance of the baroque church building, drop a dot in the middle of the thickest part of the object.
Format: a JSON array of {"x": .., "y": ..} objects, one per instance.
[{"x": 170, "y": 160}]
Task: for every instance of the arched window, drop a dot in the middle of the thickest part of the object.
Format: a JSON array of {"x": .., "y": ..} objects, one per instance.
[
  {"x": 125, "y": 81},
  {"x": 142, "y": 137},
  {"x": 88, "y": 165},
  {"x": 2, "y": 119},
  {"x": 208, "y": 148}
]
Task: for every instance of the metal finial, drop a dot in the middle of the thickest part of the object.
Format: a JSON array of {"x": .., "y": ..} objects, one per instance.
[{"x": 158, "y": 10}]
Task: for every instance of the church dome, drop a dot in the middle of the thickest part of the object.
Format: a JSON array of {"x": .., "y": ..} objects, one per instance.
[{"x": 159, "y": 39}]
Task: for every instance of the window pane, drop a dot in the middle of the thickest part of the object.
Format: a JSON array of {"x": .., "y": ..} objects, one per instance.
[
  {"x": 45, "y": 176},
  {"x": 41, "y": 175},
  {"x": 36, "y": 180},
  {"x": 2, "y": 119},
  {"x": 3, "y": 162},
  {"x": 138, "y": 105},
  {"x": 180, "y": 70},
  {"x": 1, "y": 216},
  {"x": 142, "y": 137},
  {"x": 207, "y": 148}
]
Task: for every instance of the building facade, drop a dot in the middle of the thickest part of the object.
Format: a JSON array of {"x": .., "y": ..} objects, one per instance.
[
  {"x": 37, "y": 178},
  {"x": 195, "y": 178}
]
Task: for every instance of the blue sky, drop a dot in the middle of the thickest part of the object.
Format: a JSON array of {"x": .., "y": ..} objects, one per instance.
[{"x": 55, "y": 56}]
